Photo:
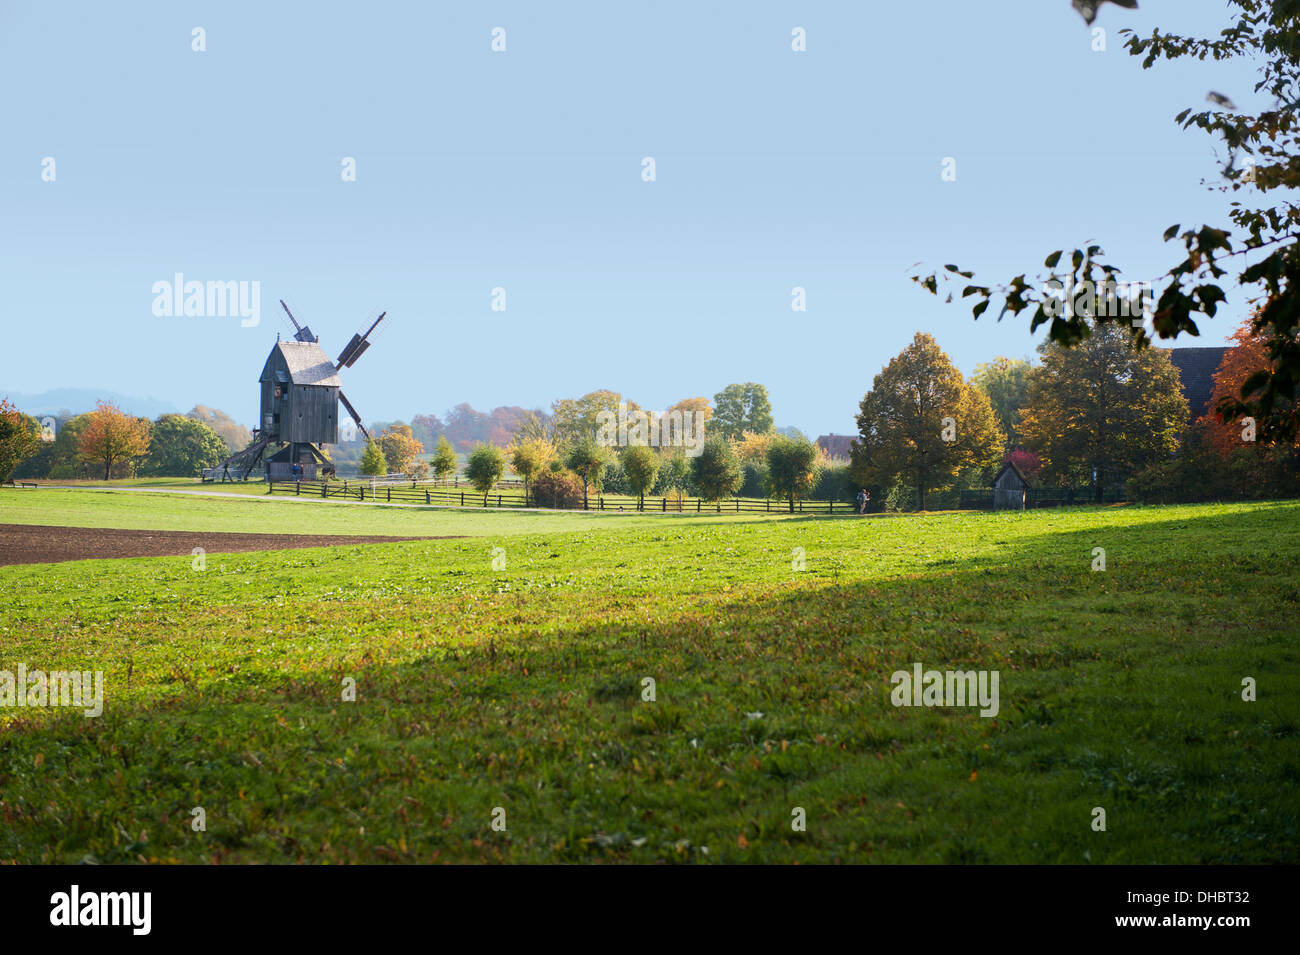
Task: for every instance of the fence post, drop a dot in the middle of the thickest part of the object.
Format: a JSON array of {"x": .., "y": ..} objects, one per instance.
[
  {"x": 388, "y": 494},
  {"x": 697, "y": 505},
  {"x": 737, "y": 505},
  {"x": 324, "y": 489},
  {"x": 462, "y": 497},
  {"x": 426, "y": 496},
  {"x": 498, "y": 500},
  {"x": 665, "y": 503}
]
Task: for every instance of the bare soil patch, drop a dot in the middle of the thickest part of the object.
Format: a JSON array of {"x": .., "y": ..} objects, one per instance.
[{"x": 41, "y": 544}]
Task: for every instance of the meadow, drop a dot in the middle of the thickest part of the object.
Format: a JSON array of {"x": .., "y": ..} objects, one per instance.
[{"x": 502, "y": 677}]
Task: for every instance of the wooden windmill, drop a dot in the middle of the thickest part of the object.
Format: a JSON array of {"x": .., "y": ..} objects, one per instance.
[{"x": 299, "y": 410}]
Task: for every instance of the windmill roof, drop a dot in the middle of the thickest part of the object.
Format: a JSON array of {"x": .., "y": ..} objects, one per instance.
[
  {"x": 1196, "y": 368},
  {"x": 308, "y": 364}
]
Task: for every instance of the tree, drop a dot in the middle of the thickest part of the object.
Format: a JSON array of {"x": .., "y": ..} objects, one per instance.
[
  {"x": 1103, "y": 407},
  {"x": 741, "y": 408},
  {"x": 1026, "y": 462},
  {"x": 484, "y": 468},
  {"x": 792, "y": 468},
  {"x": 1250, "y": 356},
  {"x": 922, "y": 422},
  {"x": 19, "y": 438},
  {"x": 529, "y": 457},
  {"x": 181, "y": 446},
  {"x": 535, "y": 426},
  {"x": 641, "y": 466},
  {"x": 113, "y": 437},
  {"x": 716, "y": 470},
  {"x": 426, "y": 429},
  {"x": 400, "y": 449},
  {"x": 444, "y": 459},
  {"x": 234, "y": 434},
  {"x": 588, "y": 458},
  {"x": 372, "y": 460},
  {"x": 752, "y": 448},
  {"x": 576, "y": 419},
  {"x": 1267, "y": 142},
  {"x": 699, "y": 407},
  {"x": 1004, "y": 381}
]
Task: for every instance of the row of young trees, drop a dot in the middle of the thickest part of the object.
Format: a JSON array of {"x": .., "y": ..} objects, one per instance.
[{"x": 107, "y": 443}]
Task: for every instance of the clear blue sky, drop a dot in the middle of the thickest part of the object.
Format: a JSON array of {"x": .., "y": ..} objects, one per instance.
[{"x": 523, "y": 170}]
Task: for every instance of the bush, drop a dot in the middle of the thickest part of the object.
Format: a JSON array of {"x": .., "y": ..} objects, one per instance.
[
  {"x": 901, "y": 497},
  {"x": 558, "y": 489},
  {"x": 756, "y": 482},
  {"x": 613, "y": 480},
  {"x": 834, "y": 483}
]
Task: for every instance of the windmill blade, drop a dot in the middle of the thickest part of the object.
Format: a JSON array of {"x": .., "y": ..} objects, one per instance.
[
  {"x": 359, "y": 343},
  {"x": 301, "y": 332},
  {"x": 353, "y": 411}
]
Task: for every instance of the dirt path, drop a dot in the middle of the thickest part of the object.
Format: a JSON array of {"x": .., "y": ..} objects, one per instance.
[{"x": 40, "y": 544}]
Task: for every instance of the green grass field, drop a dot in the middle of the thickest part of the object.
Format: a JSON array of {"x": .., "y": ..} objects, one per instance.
[{"x": 520, "y": 688}]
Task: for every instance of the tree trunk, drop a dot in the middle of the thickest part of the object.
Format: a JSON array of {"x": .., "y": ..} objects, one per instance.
[{"x": 791, "y": 498}]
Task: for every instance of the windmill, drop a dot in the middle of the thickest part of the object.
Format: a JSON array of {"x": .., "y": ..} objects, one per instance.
[{"x": 300, "y": 395}]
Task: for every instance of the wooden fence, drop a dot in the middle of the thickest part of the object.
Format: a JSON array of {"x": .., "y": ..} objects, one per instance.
[
  {"x": 508, "y": 494},
  {"x": 982, "y": 499}
]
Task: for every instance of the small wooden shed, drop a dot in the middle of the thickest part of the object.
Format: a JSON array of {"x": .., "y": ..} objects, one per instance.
[{"x": 1009, "y": 489}]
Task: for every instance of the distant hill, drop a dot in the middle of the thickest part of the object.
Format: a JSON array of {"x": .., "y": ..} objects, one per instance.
[{"x": 77, "y": 400}]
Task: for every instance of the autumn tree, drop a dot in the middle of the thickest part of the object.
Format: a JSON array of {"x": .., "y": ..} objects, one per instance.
[
  {"x": 792, "y": 467},
  {"x": 1103, "y": 407},
  {"x": 752, "y": 448},
  {"x": 1248, "y": 358},
  {"x": 739, "y": 408},
  {"x": 113, "y": 437},
  {"x": 529, "y": 457},
  {"x": 20, "y": 438},
  {"x": 400, "y": 449},
  {"x": 1078, "y": 292},
  {"x": 641, "y": 466},
  {"x": 1004, "y": 381},
  {"x": 923, "y": 423},
  {"x": 484, "y": 468},
  {"x": 575, "y": 419},
  {"x": 699, "y": 408}
]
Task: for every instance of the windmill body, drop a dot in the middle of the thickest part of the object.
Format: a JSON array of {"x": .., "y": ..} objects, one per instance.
[{"x": 299, "y": 408}]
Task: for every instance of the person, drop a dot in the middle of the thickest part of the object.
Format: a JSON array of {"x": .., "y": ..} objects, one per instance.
[
  {"x": 862, "y": 500},
  {"x": 866, "y": 500}
]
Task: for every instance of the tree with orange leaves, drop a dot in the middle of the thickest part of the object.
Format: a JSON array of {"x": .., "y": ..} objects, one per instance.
[
  {"x": 113, "y": 437},
  {"x": 1248, "y": 358}
]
